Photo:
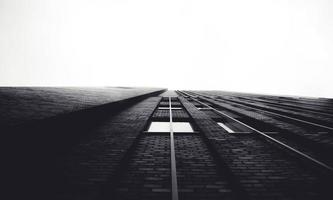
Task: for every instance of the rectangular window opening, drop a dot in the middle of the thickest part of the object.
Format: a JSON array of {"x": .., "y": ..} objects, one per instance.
[
  {"x": 182, "y": 127},
  {"x": 163, "y": 108},
  {"x": 225, "y": 127},
  {"x": 164, "y": 127},
  {"x": 204, "y": 108},
  {"x": 167, "y": 108},
  {"x": 159, "y": 127}
]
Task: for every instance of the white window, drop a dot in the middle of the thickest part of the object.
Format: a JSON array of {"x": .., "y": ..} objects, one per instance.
[
  {"x": 167, "y": 108},
  {"x": 163, "y": 108},
  {"x": 205, "y": 108},
  {"x": 225, "y": 127},
  {"x": 159, "y": 127},
  {"x": 164, "y": 127},
  {"x": 182, "y": 127}
]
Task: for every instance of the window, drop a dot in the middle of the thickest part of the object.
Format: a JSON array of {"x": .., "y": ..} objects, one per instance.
[
  {"x": 159, "y": 127},
  {"x": 163, "y": 108},
  {"x": 205, "y": 108},
  {"x": 182, "y": 127},
  {"x": 225, "y": 127},
  {"x": 164, "y": 127},
  {"x": 167, "y": 108},
  {"x": 167, "y": 126}
]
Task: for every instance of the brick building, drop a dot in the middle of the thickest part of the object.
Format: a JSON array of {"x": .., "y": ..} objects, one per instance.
[{"x": 166, "y": 145}]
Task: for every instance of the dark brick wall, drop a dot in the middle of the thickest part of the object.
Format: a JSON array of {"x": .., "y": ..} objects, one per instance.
[
  {"x": 148, "y": 173},
  {"x": 264, "y": 171},
  {"x": 179, "y": 115},
  {"x": 291, "y": 113},
  {"x": 95, "y": 161},
  {"x": 22, "y": 104},
  {"x": 322, "y": 139},
  {"x": 197, "y": 171},
  {"x": 161, "y": 114},
  {"x": 113, "y": 158}
]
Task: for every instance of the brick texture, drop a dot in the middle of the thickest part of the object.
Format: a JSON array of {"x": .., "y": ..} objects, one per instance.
[
  {"x": 197, "y": 172},
  {"x": 261, "y": 169},
  {"x": 148, "y": 174},
  {"x": 94, "y": 161}
]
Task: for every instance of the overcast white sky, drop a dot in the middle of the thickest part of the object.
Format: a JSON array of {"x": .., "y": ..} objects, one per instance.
[{"x": 261, "y": 46}]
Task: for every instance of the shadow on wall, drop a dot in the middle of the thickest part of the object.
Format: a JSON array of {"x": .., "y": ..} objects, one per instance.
[{"x": 33, "y": 149}]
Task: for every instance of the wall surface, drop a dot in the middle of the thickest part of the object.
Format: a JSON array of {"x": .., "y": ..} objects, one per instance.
[{"x": 22, "y": 104}]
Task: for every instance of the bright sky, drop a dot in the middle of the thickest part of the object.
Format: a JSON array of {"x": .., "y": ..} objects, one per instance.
[{"x": 261, "y": 46}]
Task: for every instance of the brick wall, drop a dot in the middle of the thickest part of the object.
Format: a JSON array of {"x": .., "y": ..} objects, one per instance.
[
  {"x": 263, "y": 170},
  {"x": 95, "y": 161}
]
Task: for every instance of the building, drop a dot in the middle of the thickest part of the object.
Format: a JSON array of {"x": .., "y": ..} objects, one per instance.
[{"x": 157, "y": 144}]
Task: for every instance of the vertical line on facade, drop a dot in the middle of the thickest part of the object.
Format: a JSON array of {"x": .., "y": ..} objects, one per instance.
[{"x": 174, "y": 185}]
